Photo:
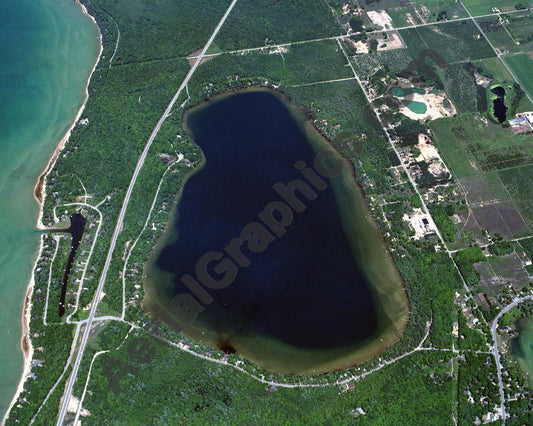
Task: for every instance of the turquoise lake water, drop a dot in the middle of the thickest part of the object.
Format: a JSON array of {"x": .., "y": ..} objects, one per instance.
[
  {"x": 398, "y": 91},
  {"x": 48, "y": 51},
  {"x": 522, "y": 347},
  {"x": 416, "y": 107}
]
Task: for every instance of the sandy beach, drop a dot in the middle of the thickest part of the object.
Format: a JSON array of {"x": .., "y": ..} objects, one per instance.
[{"x": 39, "y": 195}]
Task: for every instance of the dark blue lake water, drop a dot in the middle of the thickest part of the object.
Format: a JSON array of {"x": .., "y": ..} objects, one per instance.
[{"x": 306, "y": 289}]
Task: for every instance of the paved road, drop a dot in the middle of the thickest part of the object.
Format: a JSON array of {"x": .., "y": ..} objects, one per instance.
[
  {"x": 405, "y": 169},
  {"x": 122, "y": 214},
  {"x": 495, "y": 349},
  {"x": 512, "y": 239},
  {"x": 497, "y": 54}
]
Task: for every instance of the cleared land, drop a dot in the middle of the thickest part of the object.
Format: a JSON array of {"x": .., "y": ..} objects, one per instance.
[{"x": 486, "y": 188}]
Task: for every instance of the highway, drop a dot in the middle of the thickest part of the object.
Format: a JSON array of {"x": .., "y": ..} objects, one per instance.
[{"x": 120, "y": 221}]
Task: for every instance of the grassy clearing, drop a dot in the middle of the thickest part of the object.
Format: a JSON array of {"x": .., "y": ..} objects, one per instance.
[
  {"x": 454, "y": 41},
  {"x": 522, "y": 65},
  {"x": 254, "y": 24},
  {"x": 483, "y": 7},
  {"x": 519, "y": 182}
]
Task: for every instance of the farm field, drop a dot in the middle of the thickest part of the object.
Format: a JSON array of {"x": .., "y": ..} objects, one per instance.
[
  {"x": 483, "y": 7},
  {"x": 496, "y": 68},
  {"x": 519, "y": 182},
  {"x": 522, "y": 65},
  {"x": 454, "y": 41},
  {"x": 489, "y": 207},
  {"x": 469, "y": 144}
]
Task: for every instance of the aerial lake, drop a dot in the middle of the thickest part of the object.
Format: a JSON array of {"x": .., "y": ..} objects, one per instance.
[
  {"x": 271, "y": 252},
  {"x": 522, "y": 347}
]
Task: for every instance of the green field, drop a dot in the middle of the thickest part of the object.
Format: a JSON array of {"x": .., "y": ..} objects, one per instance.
[
  {"x": 469, "y": 145},
  {"x": 483, "y": 7},
  {"x": 521, "y": 65},
  {"x": 451, "y": 149},
  {"x": 454, "y": 41},
  {"x": 519, "y": 182}
]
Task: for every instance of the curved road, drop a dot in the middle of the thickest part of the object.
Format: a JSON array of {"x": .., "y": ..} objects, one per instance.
[
  {"x": 120, "y": 220},
  {"x": 495, "y": 348}
]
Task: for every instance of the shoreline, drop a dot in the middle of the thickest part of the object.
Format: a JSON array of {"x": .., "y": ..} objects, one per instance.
[{"x": 39, "y": 195}]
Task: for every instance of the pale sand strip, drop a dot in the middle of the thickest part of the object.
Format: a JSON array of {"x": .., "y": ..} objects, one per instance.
[{"x": 39, "y": 193}]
